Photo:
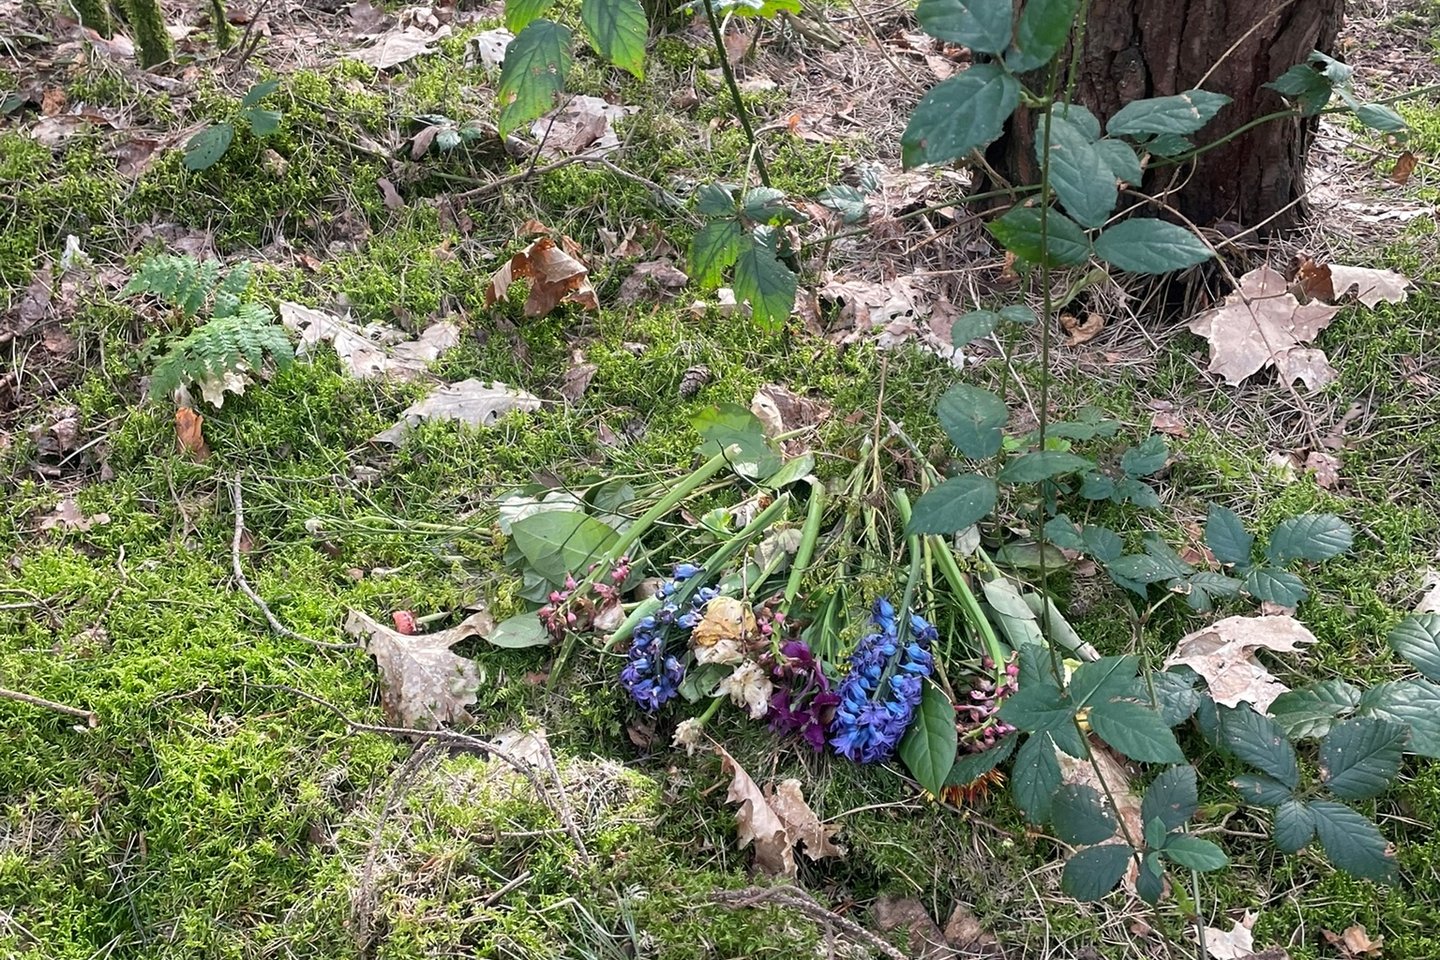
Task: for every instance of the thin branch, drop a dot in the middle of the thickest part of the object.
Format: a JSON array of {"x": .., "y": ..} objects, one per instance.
[
  {"x": 802, "y": 903},
  {"x": 91, "y": 720}
]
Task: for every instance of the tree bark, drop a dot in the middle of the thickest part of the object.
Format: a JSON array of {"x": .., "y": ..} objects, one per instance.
[{"x": 1135, "y": 49}]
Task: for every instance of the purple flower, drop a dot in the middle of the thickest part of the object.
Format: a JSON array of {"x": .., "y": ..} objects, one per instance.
[
  {"x": 879, "y": 695},
  {"x": 802, "y": 700},
  {"x": 650, "y": 675}
]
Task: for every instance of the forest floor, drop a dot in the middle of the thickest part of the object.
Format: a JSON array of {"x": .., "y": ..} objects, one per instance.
[{"x": 214, "y": 811}]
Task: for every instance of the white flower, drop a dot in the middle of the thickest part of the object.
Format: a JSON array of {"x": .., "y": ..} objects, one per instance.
[
  {"x": 687, "y": 735},
  {"x": 748, "y": 687},
  {"x": 725, "y": 650}
]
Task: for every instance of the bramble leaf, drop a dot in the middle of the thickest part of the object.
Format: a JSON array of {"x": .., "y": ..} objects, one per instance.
[
  {"x": 1260, "y": 742},
  {"x": 973, "y": 419},
  {"x": 1042, "y": 465},
  {"x": 981, "y": 25},
  {"x": 1361, "y": 756},
  {"x": 1311, "y": 536},
  {"x": 1311, "y": 711},
  {"x": 1417, "y": 639},
  {"x": 1035, "y": 776},
  {"x": 1172, "y": 797},
  {"x": 1414, "y": 703},
  {"x": 205, "y": 149},
  {"x": 533, "y": 75},
  {"x": 715, "y": 249},
  {"x": 1018, "y": 231},
  {"x": 1080, "y": 817},
  {"x": 763, "y": 280},
  {"x": 1352, "y": 842},
  {"x": 1043, "y": 29},
  {"x": 617, "y": 30},
  {"x": 1194, "y": 853},
  {"x": 954, "y": 505},
  {"x": 960, "y": 114},
  {"x": 1093, "y": 872},
  {"x": 1294, "y": 825},
  {"x": 1226, "y": 536},
  {"x": 1136, "y": 731}
]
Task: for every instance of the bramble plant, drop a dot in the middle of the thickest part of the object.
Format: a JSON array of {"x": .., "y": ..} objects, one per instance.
[{"x": 205, "y": 148}]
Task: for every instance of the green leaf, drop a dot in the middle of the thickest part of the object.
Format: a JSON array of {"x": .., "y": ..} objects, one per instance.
[
  {"x": 1081, "y": 117},
  {"x": 972, "y": 766},
  {"x": 729, "y": 424},
  {"x": 1043, "y": 29},
  {"x": 1182, "y": 113},
  {"x": 1226, "y": 536},
  {"x": 520, "y": 631},
  {"x": 981, "y": 25},
  {"x": 447, "y": 139},
  {"x": 1175, "y": 689},
  {"x": 1100, "y": 680},
  {"x": 1080, "y": 817},
  {"x": 973, "y": 419},
  {"x": 764, "y": 281},
  {"x": 969, "y": 327},
  {"x": 1037, "y": 708},
  {"x": 1352, "y": 842},
  {"x": 1061, "y": 531},
  {"x": 1278, "y": 586},
  {"x": 1311, "y": 711},
  {"x": 262, "y": 122},
  {"x": 1168, "y": 145},
  {"x": 1042, "y": 465},
  {"x": 794, "y": 470},
  {"x": 1377, "y": 116},
  {"x": 1130, "y": 490},
  {"x": 1311, "y": 536},
  {"x": 1096, "y": 486},
  {"x": 1155, "y": 832},
  {"x": 1102, "y": 543},
  {"x": 1414, "y": 703},
  {"x": 1260, "y": 742},
  {"x": 929, "y": 745},
  {"x": 844, "y": 200},
  {"x": 533, "y": 75},
  {"x": 960, "y": 114},
  {"x": 1172, "y": 797},
  {"x": 560, "y": 542},
  {"x": 1147, "y": 458},
  {"x": 206, "y": 148},
  {"x": 1017, "y": 313},
  {"x": 1093, "y": 872},
  {"x": 716, "y": 200},
  {"x": 716, "y": 248},
  {"x": 1150, "y": 246},
  {"x": 520, "y": 13},
  {"x": 1142, "y": 568},
  {"x": 763, "y": 203},
  {"x": 1136, "y": 731},
  {"x": 768, "y": 9},
  {"x": 1194, "y": 853},
  {"x": 1261, "y": 790},
  {"x": 1079, "y": 177},
  {"x": 1294, "y": 825},
  {"x": 259, "y": 92},
  {"x": 954, "y": 505},
  {"x": 701, "y": 681},
  {"x": 1019, "y": 232},
  {"x": 1035, "y": 776},
  {"x": 1306, "y": 86},
  {"x": 1417, "y": 639},
  {"x": 1120, "y": 157},
  {"x": 1360, "y": 757},
  {"x": 1150, "y": 883},
  {"x": 617, "y": 31}
]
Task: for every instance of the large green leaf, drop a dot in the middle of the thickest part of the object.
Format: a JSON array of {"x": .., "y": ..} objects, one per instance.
[
  {"x": 1078, "y": 175},
  {"x": 1417, "y": 639},
  {"x": 729, "y": 424},
  {"x": 972, "y": 766},
  {"x": 764, "y": 281},
  {"x": 1180, "y": 114},
  {"x": 1414, "y": 703},
  {"x": 1352, "y": 842},
  {"x": 1146, "y": 458},
  {"x": 1035, "y": 776},
  {"x": 1018, "y": 231},
  {"x": 960, "y": 114},
  {"x": 1103, "y": 679},
  {"x": 982, "y": 25},
  {"x": 1377, "y": 116},
  {"x": 1136, "y": 731},
  {"x": 1079, "y": 815},
  {"x": 1294, "y": 825},
  {"x": 1305, "y": 85},
  {"x": 1278, "y": 586},
  {"x": 521, "y": 630},
  {"x": 519, "y": 13},
  {"x": 206, "y": 148},
  {"x": 1043, "y": 29},
  {"x": 1260, "y": 742},
  {"x": 1175, "y": 691},
  {"x": 1311, "y": 536},
  {"x": 954, "y": 505},
  {"x": 560, "y": 542},
  {"x": 928, "y": 747},
  {"x": 1037, "y": 708},
  {"x": 1042, "y": 465},
  {"x": 973, "y": 419},
  {"x": 1018, "y": 624},
  {"x": 1093, "y": 872},
  {"x": 1226, "y": 536},
  {"x": 1142, "y": 245},
  {"x": 1360, "y": 757},
  {"x": 1120, "y": 158},
  {"x": 617, "y": 31},
  {"x": 1194, "y": 853},
  {"x": 1172, "y": 797},
  {"x": 969, "y": 327},
  {"x": 1312, "y": 710},
  {"x": 1261, "y": 790},
  {"x": 1143, "y": 568},
  {"x": 715, "y": 249},
  {"x": 533, "y": 75}
]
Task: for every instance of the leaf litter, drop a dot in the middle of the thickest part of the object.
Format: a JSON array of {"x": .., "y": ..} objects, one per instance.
[
  {"x": 777, "y": 821},
  {"x": 423, "y": 684},
  {"x": 557, "y": 275},
  {"x": 374, "y": 352},
  {"x": 1224, "y": 654},
  {"x": 471, "y": 402}
]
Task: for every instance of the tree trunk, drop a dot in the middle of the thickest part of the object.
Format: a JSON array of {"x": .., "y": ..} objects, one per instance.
[{"x": 1135, "y": 49}]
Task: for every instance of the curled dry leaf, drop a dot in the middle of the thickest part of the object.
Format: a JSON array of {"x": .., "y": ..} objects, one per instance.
[
  {"x": 1325, "y": 467},
  {"x": 556, "y": 276},
  {"x": 374, "y": 352},
  {"x": 423, "y": 684},
  {"x": 1404, "y": 167},
  {"x": 400, "y": 44},
  {"x": 780, "y": 409},
  {"x": 776, "y": 822},
  {"x": 583, "y": 123},
  {"x": 471, "y": 402},
  {"x": 653, "y": 280},
  {"x": 1080, "y": 331},
  {"x": 1237, "y": 943},
  {"x": 68, "y": 516},
  {"x": 1224, "y": 654},
  {"x": 577, "y": 379},
  {"x": 188, "y": 425},
  {"x": 1355, "y": 943},
  {"x": 725, "y": 631}
]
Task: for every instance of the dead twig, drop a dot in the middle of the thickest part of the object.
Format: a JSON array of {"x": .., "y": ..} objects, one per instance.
[
  {"x": 802, "y": 903},
  {"x": 91, "y": 720},
  {"x": 363, "y": 904}
]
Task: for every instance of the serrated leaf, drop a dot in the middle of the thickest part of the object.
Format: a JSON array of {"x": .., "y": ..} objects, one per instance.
[
  {"x": 1260, "y": 742},
  {"x": 969, "y": 327},
  {"x": 1121, "y": 160},
  {"x": 1100, "y": 680},
  {"x": 1155, "y": 833},
  {"x": 1175, "y": 691},
  {"x": 1180, "y": 114},
  {"x": 960, "y": 114},
  {"x": 1150, "y": 882},
  {"x": 715, "y": 249},
  {"x": 1377, "y": 116},
  {"x": 561, "y": 542},
  {"x": 1035, "y": 776},
  {"x": 981, "y": 25},
  {"x": 1311, "y": 536},
  {"x": 259, "y": 92},
  {"x": 1360, "y": 757},
  {"x": 1079, "y": 177},
  {"x": 929, "y": 745},
  {"x": 1261, "y": 790},
  {"x": 1172, "y": 797},
  {"x": 972, "y": 766},
  {"x": 716, "y": 200},
  {"x": 1141, "y": 568},
  {"x": 1168, "y": 145},
  {"x": 1018, "y": 231},
  {"x": 1352, "y": 842},
  {"x": 1079, "y": 815},
  {"x": 1311, "y": 711},
  {"x": 1102, "y": 543},
  {"x": 205, "y": 149},
  {"x": 1146, "y": 458},
  {"x": 845, "y": 200},
  {"x": 1305, "y": 85},
  {"x": 762, "y": 203},
  {"x": 1081, "y": 117},
  {"x": 1414, "y": 703},
  {"x": 1215, "y": 585},
  {"x": 1093, "y": 872},
  {"x": 1037, "y": 708},
  {"x": 1017, "y": 313},
  {"x": 1130, "y": 490},
  {"x": 1294, "y": 825},
  {"x": 1042, "y": 465},
  {"x": 1136, "y": 731},
  {"x": 447, "y": 139},
  {"x": 520, "y": 13},
  {"x": 617, "y": 30},
  {"x": 1226, "y": 536},
  {"x": 1150, "y": 246},
  {"x": 1193, "y": 853},
  {"x": 1417, "y": 639},
  {"x": 1043, "y": 29},
  {"x": 954, "y": 505},
  {"x": 1061, "y": 531},
  {"x": 973, "y": 419},
  {"x": 762, "y": 280},
  {"x": 520, "y": 631},
  {"x": 533, "y": 75},
  {"x": 1278, "y": 586},
  {"x": 1096, "y": 486},
  {"x": 729, "y": 424}
]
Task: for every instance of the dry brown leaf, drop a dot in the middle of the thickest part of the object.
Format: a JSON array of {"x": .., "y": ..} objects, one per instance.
[
  {"x": 188, "y": 425},
  {"x": 1326, "y": 468},
  {"x": 34, "y": 305},
  {"x": 780, "y": 409},
  {"x": 1224, "y": 654},
  {"x": 1237, "y": 943},
  {"x": 1169, "y": 423},
  {"x": 53, "y": 100},
  {"x": 423, "y": 684},
  {"x": 653, "y": 280},
  {"x": 577, "y": 379},
  {"x": 400, "y": 44},
  {"x": 555, "y": 276},
  {"x": 67, "y": 515},
  {"x": 1371, "y": 286},
  {"x": 725, "y": 632},
  {"x": 1404, "y": 167},
  {"x": 391, "y": 196},
  {"x": 1081, "y": 331},
  {"x": 1355, "y": 943},
  {"x": 472, "y": 402},
  {"x": 374, "y": 352},
  {"x": 924, "y": 939},
  {"x": 583, "y": 123},
  {"x": 776, "y": 822}
]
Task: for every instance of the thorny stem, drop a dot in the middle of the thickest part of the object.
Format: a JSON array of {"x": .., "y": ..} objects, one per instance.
[{"x": 741, "y": 113}]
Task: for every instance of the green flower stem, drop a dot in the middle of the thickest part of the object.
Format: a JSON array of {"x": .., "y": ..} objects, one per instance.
[
  {"x": 809, "y": 535},
  {"x": 741, "y": 113},
  {"x": 710, "y": 710}
]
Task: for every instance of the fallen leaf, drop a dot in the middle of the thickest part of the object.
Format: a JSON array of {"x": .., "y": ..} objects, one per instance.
[
  {"x": 555, "y": 275},
  {"x": 813, "y": 838},
  {"x": 1430, "y": 600},
  {"x": 423, "y": 684},
  {"x": 366, "y": 19},
  {"x": 214, "y": 387},
  {"x": 1224, "y": 654},
  {"x": 924, "y": 938},
  {"x": 1170, "y": 424},
  {"x": 781, "y": 410},
  {"x": 1371, "y": 286},
  {"x": 725, "y": 632},
  {"x": 53, "y": 131},
  {"x": 391, "y": 196},
  {"x": 653, "y": 280},
  {"x": 1326, "y": 468},
  {"x": 67, "y": 516},
  {"x": 53, "y": 100},
  {"x": 897, "y": 312},
  {"x": 1081, "y": 331},
  {"x": 530, "y": 747},
  {"x": 775, "y": 823},
  {"x": 471, "y": 402},
  {"x": 399, "y": 45},
  {"x": 188, "y": 433},
  {"x": 374, "y": 352},
  {"x": 1404, "y": 167},
  {"x": 1355, "y": 943},
  {"x": 34, "y": 305},
  {"x": 583, "y": 123},
  {"x": 964, "y": 932},
  {"x": 577, "y": 379},
  {"x": 1238, "y": 943},
  {"x": 489, "y": 48}
]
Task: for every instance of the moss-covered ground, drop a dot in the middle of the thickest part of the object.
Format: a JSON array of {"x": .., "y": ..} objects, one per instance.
[{"x": 213, "y": 812}]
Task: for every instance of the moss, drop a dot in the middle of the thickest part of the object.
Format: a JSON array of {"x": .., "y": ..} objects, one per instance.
[
  {"x": 95, "y": 14},
  {"x": 147, "y": 23}
]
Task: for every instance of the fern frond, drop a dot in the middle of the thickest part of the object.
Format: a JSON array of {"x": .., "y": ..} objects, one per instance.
[
  {"x": 228, "y": 295},
  {"x": 241, "y": 341},
  {"x": 182, "y": 281}
]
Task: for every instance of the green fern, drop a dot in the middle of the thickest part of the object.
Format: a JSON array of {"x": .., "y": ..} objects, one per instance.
[{"x": 183, "y": 282}]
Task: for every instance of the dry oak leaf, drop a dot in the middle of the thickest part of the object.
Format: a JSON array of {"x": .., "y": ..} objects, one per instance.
[
  {"x": 373, "y": 352},
  {"x": 1355, "y": 943},
  {"x": 188, "y": 425},
  {"x": 1224, "y": 654},
  {"x": 556, "y": 276},
  {"x": 423, "y": 684},
  {"x": 1237, "y": 943},
  {"x": 67, "y": 515},
  {"x": 472, "y": 402},
  {"x": 776, "y": 822}
]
